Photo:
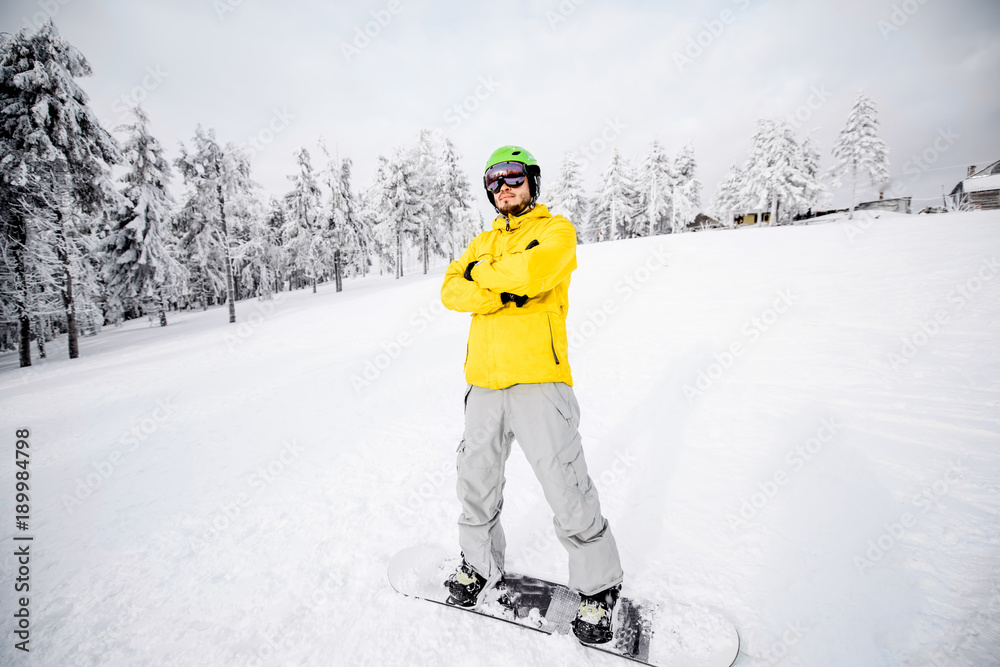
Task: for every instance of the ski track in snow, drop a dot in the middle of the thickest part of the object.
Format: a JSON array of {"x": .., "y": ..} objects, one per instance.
[{"x": 226, "y": 494}]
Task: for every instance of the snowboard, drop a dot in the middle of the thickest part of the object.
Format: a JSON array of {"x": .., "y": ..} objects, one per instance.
[{"x": 659, "y": 634}]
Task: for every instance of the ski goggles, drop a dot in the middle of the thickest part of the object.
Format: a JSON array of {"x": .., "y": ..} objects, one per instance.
[{"x": 511, "y": 173}]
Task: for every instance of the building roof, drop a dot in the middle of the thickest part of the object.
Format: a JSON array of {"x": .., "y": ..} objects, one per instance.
[
  {"x": 982, "y": 183},
  {"x": 991, "y": 170},
  {"x": 982, "y": 180}
]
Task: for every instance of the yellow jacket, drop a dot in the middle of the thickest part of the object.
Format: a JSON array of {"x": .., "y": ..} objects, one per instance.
[{"x": 510, "y": 345}]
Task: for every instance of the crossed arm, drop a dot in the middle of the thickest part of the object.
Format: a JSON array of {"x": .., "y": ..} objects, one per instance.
[{"x": 528, "y": 273}]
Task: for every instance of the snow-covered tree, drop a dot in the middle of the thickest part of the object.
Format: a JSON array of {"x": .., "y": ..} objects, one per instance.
[
  {"x": 814, "y": 193},
  {"x": 345, "y": 225},
  {"x": 656, "y": 180},
  {"x": 29, "y": 271},
  {"x": 359, "y": 257},
  {"x": 260, "y": 253},
  {"x": 139, "y": 271},
  {"x": 373, "y": 213},
  {"x": 54, "y": 163},
  {"x": 686, "y": 194},
  {"x": 615, "y": 213},
  {"x": 859, "y": 150},
  {"x": 566, "y": 196},
  {"x": 244, "y": 206},
  {"x": 774, "y": 175},
  {"x": 424, "y": 170},
  {"x": 456, "y": 219},
  {"x": 216, "y": 180},
  {"x": 307, "y": 237},
  {"x": 728, "y": 200},
  {"x": 399, "y": 209}
]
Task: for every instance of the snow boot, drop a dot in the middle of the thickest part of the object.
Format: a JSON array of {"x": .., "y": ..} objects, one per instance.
[
  {"x": 593, "y": 621},
  {"x": 467, "y": 586}
]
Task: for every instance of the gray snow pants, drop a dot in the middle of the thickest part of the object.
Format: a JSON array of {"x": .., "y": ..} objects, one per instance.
[{"x": 543, "y": 418}]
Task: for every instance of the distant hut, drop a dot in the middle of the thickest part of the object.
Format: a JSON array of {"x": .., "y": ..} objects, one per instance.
[
  {"x": 897, "y": 204},
  {"x": 980, "y": 190}
]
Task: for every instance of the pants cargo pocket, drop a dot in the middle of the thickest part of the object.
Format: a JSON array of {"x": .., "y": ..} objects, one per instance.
[{"x": 573, "y": 467}]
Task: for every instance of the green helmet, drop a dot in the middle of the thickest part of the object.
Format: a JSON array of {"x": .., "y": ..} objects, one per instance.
[
  {"x": 516, "y": 154},
  {"x": 511, "y": 154}
]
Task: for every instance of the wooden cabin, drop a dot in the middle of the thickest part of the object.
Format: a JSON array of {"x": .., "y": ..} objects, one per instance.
[{"x": 980, "y": 190}]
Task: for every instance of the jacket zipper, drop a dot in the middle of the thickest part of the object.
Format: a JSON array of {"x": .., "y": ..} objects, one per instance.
[{"x": 552, "y": 340}]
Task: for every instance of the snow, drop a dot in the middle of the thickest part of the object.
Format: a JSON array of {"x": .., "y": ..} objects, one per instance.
[
  {"x": 982, "y": 183},
  {"x": 796, "y": 425}
]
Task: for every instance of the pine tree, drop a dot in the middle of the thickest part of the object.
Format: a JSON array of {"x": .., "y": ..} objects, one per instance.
[
  {"x": 774, "y": 177},
  {"x": 727, "y": 200},
  {"x": 140, "y": 271},
  {"x": 29, "y": 270},
  {"x": 400, "y": 209},
  {"x": 210, "y": 175},
  {"x": 259, "y": 254},
  {"x": 373, "y": 212},
  {"x": 814, "y": 193},
  {"x": 244, "y": 208},
  {"x": 615, "y": 214},
  {"x": 656, "y": 181},
  {"x": 567, "y": 197},
  {"x": 54, "y": 165},
  {"x": 343, "y": 221},
  {"x": 423, "y": 175},
  {"x": 686, "y": 193},
  {"x": 306, "y": 236},
  {"x": 859, "y": 150},
  {"x": 358, "y": 226},
  {"x": 457, "y": 221}
]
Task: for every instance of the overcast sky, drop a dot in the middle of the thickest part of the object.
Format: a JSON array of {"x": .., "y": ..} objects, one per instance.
[{"x": 575, "y": 75}]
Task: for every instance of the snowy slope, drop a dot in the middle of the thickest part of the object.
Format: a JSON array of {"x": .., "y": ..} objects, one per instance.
[{"x": 798, "y": 425}]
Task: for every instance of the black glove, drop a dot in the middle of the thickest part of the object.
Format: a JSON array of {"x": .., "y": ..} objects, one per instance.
[
  {"x": 468, "y": 270},
  {"x": 507, "y": 297}
]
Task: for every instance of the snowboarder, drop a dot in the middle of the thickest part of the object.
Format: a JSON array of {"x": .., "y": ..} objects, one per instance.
[{"x": 514, "y": 279}]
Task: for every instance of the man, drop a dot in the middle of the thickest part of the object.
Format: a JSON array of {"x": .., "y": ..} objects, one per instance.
[{"x": 514, "y": 279}]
